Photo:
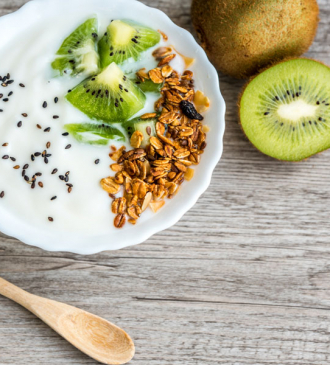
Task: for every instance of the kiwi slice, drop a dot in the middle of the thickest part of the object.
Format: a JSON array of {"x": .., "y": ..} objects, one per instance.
[
  {"x": 95, "y": 134},
  {"x": 78, "y": 54},
  {"x": 125, "y": 39},
  {"x": 146, "y": 126},
  {"x": 109, "y": 96},
  {"x": 285, "y": 111},
  {"x": 148, "y": 86}
]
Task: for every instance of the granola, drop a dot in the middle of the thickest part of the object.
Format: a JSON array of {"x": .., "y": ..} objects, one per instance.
[{"x": 149, "y": 175}]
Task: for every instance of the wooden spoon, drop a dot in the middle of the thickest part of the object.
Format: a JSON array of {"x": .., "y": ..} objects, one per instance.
[{"x": 96, "y": 337}]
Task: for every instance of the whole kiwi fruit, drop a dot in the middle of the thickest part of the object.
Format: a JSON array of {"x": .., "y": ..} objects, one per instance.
[{"x": 243, "y": 36}]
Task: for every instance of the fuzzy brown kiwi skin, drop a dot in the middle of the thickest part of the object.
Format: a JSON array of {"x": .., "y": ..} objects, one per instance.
[
  {"x": 236, "y": 36},
  {"x": 248, "y": 83}
]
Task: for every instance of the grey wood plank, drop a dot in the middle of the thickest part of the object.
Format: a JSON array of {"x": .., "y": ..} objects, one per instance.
[{"x": 243, "y": 278}]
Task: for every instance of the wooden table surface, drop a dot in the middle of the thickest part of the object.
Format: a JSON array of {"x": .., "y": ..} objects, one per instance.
[{"x": 243, "y": 278}]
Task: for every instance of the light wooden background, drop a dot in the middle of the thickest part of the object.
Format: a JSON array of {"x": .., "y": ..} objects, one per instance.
[{"x": 242, "y": 279}]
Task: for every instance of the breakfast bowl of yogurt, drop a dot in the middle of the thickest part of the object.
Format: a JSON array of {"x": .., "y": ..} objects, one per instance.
[{"x": 111, "y": 124}]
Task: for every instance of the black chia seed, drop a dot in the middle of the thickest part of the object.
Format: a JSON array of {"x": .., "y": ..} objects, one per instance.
[
  {"x": 54, "y": 171},
  {"x": 44, "y": 105},
  {"x": 21, "y": 85},
  {"x": 56, "y": 100},
  {"x": 13, "y": 159},
  {"x": 2, "y": 194},
  {"x": 68, "y": 146},
  {"x": 5, "y": 157},
  {"x": 19, "y": 124},
  {"x": 65, "y": 134},
  {"x": 55, "y": 116},
  {"x": 53, "y": 198},
  {"x": 26, "y": 166},
  {"x": 26, "y": 178},
  {"x": 47, "y": 129},
  {"x": 97, "y": 162},
  {"x": 32, "y": 158}
]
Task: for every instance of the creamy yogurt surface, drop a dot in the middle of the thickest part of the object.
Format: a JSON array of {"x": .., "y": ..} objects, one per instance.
[{"x": 28, "y": 60}]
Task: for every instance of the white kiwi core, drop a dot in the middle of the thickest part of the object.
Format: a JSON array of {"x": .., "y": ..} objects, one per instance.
[
  {"x": 111, "y": 76},
  {"x": 121, "y": 33},
  {"x": 296, "y": 110}
]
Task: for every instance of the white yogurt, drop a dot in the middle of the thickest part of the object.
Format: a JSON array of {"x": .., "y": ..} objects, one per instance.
[{"x": 87, "y": 208}]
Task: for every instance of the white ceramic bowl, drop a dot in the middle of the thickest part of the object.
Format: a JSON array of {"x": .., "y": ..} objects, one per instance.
[{"x": 12, "y": 25}]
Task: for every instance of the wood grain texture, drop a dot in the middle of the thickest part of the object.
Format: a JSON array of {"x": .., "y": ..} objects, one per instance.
[{"x": 242, "y": 279}]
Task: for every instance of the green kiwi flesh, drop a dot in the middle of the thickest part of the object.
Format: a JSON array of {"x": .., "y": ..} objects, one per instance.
[
  {"x": 148, "y": 86},
  {"x": 94, "y": 134},
  {"x": 242, "y": 37},
  {"x": 125, "y": 39},
  {"x": 146, "y": 126},
  {"x": 110, "y": 96},
  {"x": 285, "y": 110},
  {"x": 78, "y": 55}
]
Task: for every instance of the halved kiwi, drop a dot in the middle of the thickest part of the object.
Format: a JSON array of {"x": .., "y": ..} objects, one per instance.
[
  {"x": 109, "y": 96},
  {"x": 285, "y": 111},
  {"x": 95, "y": 134},
  {"x": 77, "y": 54},
  {"x": 125, "y": 39},
  {"x": 146, "y": 126}
]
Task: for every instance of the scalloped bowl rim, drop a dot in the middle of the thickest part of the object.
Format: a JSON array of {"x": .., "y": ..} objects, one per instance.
[{"x": 32, "y": 237}]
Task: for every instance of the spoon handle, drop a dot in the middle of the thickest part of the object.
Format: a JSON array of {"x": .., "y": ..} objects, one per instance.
[
  {"x": 47, "y": 310},
  {"x": 16, "y": 294}
]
